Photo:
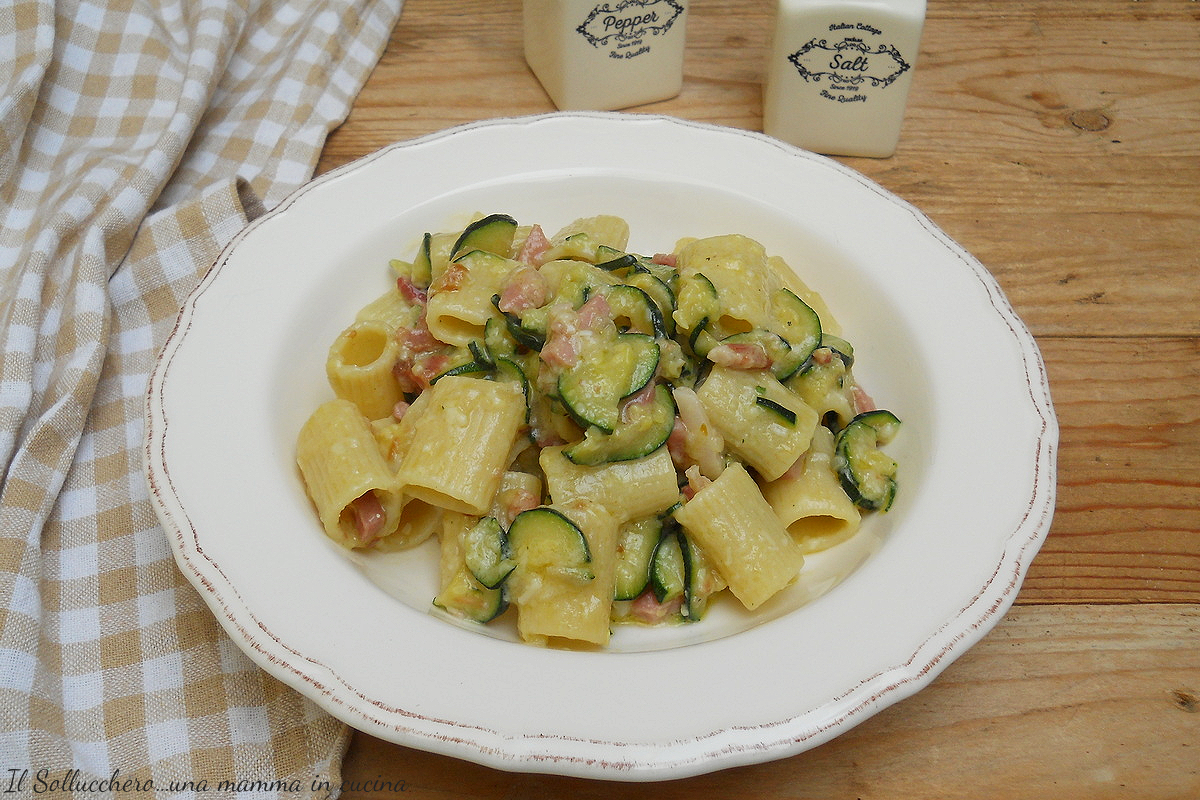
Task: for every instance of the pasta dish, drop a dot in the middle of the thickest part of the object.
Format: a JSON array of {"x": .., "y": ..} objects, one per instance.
[{"x": 593, "y": 435}]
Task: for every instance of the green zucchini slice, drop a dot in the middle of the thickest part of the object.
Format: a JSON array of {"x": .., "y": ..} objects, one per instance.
[
  {"x": 668, "y": 571},
  {"x": 611, "y": 260},
  {"x": 491, "y": 234},
  {"x": 507, "y": 369},
  {"x": 885, "y": 423},
  {"x": 527, "y": 335},
  {"x": 486, "y": 554},
  {"x": 696, "y": 304},
  {"x": 778, "y": 349},
  {"x": 543, "y": 541},
  {"x": 868, "y": 476},
  {"x": 465, "y": 597},
  {"x": 634, "y": 310},
  {"x": 800, "y": 326},
  {"x": 660, "y": 293},
  {"x": 422, "y": 266},
  {"x": 497, "y": 339},
  {"x": 840, "y": 347},
  {"x": 635, "y": 551},
  {"x": 464, "y": 361},
  {"x": 592, "y": 390},
  {"x": 667, "y": 274},
  {"x": 679, "y": 568},
  {"x": 644, "y": 428}
]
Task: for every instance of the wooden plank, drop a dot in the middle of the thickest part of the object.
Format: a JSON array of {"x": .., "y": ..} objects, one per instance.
[
  {"x": 1067, "y": 274},
  {"x": 1127, "y": 523},
  {"x": 1065, "y": 702}
]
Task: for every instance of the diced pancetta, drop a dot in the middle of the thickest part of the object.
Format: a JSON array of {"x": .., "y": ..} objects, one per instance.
[
  {"x": 535, "y": 247},
  {"x": 525, "y": 288}
]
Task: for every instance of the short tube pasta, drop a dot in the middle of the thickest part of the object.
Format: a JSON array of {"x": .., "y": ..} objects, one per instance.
[
  {"x": 359, "y": 367},
  {"x": 737, "y": 267},
  {"x": 741, "y": 534},
  {"x": 356, "y": 494},
  {"x": 766, "y": 439},
  {"x": 811, "y": 502},
  {"x": 460, "y": 449},
  {"x": 460, "y": 301},
  {"x": 390, "y": 309},
  {"x": 610, "y": 484}
]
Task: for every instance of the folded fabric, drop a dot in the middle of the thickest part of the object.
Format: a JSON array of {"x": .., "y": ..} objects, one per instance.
[{"x": 135, "y": 141}]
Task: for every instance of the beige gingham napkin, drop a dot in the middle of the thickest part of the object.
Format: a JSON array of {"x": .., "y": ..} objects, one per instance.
[{"x": 135, "y": 140}]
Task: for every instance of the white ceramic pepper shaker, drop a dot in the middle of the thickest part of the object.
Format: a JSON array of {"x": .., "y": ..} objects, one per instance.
[
  {"x": 602, "y": 55},
  {"x": 839, "y": 73}
]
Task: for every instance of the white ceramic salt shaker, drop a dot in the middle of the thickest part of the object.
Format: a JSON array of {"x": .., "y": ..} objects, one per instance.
[
  {"x": 839, "y": 72},
  {"x": 603, "y": 55}
]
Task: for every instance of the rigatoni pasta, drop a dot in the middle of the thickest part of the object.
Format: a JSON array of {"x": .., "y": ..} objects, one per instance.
[
  {"x": 809, "y": 499},
  {"x": 595, "y": 436},
  {"x": 359, "y": 367},
  {"x": 462, "y": 443},
  {"x": 611, "y": 484},
  {"x": 751, "y": 548},
  {"x": 357, "y": 496}
]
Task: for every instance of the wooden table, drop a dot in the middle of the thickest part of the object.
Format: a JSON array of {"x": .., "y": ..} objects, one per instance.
[{"x": 1059, "y": 142}]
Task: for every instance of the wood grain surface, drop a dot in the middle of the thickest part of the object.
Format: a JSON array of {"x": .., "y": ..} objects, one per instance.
[{"x": 1058, "y": 142}]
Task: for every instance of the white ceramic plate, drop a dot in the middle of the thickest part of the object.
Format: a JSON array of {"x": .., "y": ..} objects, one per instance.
[{"x": 937, "y": 343}]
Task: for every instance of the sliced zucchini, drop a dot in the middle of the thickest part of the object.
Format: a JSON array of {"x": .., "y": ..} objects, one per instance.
[
  {"x": 507, "y": 369},
  {"x": 667, "y": 274},
  {"x": 660, "y": 293},
  {"x": 702, "y": 579},
  {"x": 491, "y": 234},
  {"x": 575, "y": 281},
  {"x": 885, "y": 423},
  {"x": 529, "y": 336},
  {"x": 867, "y": 474},
  {"x": 422, "y": 265},
  {"x": 479, "y": 351},
  {"x": 463, "y": 361},
  {"x": 485, "y": 552},
  {"x": 680, "y": 568},
  {"x": 645, "y": 427},
  {"x": 544, "y": 542},
  {"x": 465, "y": 597},
  {"x": 441, "y": 246},
  {"x": 778, "y": 349},
  {"x": 611, "y": 260},
  {"x": 701, "y": 340},
  {"x": 840, "y": 347},
  {"x": 592, "y": 390},
  {"x": 634, "y": 310},
  {"x": 800, "y": 326},
  {"x": 635, "y": 552},
  {"x": 668, "y": 570},
  {"x": 497, "y": 339},
  {"x": 696, "y": 303},
  {"x": 783, "y": 412}
]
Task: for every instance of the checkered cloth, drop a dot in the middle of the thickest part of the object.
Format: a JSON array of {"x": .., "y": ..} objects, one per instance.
[{"x": 135, "y": 140}]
